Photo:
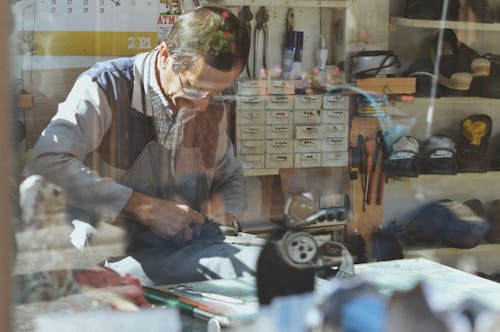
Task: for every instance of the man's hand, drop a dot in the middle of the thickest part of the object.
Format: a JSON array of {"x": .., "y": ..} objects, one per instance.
[{"x": 168, "y": 219}]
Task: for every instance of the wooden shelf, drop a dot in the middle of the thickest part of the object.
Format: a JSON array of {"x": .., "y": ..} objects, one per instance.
[
  {"x": 291, "y": 3},
  {"x": 260, "y": 171},
  {"x": 453, "y": 100},
  {"x": 413, "y": 252},
  {"x": 436, "y": 24},
  {"x": 431, "y": 178},
  {"x": 482, "y": 258}
]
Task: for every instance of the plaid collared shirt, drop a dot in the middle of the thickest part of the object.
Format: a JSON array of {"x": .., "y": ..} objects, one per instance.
[{"x": 169, "y": 130}]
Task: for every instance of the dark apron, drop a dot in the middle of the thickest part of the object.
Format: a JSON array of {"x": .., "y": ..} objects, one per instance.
[{"x": 167, "y": 261}]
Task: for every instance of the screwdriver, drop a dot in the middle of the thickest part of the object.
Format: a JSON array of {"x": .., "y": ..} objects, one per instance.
[
  {"x": 381, "y": 180},
  {"x": 371, "y": 183},
  {"x": 370, "y": 146},
  {"x": 354, "y": 170}
]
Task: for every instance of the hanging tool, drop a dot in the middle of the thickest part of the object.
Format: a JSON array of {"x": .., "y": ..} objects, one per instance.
[
  {"x": 354, "y": 169},
  {"x": 261, "y": 17},
  {"x": 371, "y": 183},
  {"x": 246, "y": 16},
  {"x": 381, "y": 179},
  {"x": 290, "y": 20},
  {"x": 361, "y": 145},
  {"x": 370, "y": 145}
]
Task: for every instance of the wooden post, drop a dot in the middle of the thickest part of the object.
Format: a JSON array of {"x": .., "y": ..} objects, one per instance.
[{"x": 5, "y": 151}]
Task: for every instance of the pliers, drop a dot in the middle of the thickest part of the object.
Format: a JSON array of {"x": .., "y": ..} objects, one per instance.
[
  {"x": 246, "y": 16},
  {"x": 262, "y": 16}
]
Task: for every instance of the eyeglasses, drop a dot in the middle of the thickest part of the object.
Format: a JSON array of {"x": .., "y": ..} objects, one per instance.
[{"x": 192, "y": 93}]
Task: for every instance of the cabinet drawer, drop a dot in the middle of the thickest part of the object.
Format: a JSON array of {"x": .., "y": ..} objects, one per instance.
[
  {"x": 335, "y": 116},
  {"x": 334, "y": 144},
  {"x": 308, "y": 102},
  {"x": 250, "y": 131},
  {"x": 308, "y": 132},
  {"x": 252, "y": 87},
  {"x": 279, "y": 117},
  {"x": 281, "y": 87},
  {"x": 279, "y": 160},
  {"x": 250, "y": 102},
  {"x": 251, "y": 147},
  {"x": 307, "y": 145},
  {"x": 335, "y": 101},
  {"x": 250, "y": 117},
  {"x": 279, "y": 132},
  {"x": 334, "y": 159},
  {"x": 307, "y": 159},
  {"x": 279, "y": 102},
  {"x": 335, "y": 130},
  {"x": 279, "y": 146},
  {"x": 307, "y": 116},
  {"x": 252, "y": 160}
]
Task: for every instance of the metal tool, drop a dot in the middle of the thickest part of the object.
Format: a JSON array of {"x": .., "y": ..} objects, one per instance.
[
  {"x": 381, "y": 179},
  {"x": 246, "y": 16},
  {"x": 290, "y": 20},
  {"x": 370, "y": 146},
  {"x": 261, "y": 17},
  {"x": 371, "y": 183},
  {"x": 361, "y": 145},
  {"x": 161, "y": 298},
  {"x": 213, "y": 296},
  {"x": 354, "y": 169}
]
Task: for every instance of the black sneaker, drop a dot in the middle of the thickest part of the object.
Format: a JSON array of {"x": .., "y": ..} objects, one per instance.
[
  {"x": 403, "y": 158},
  {"x": 439, "y": 156}
]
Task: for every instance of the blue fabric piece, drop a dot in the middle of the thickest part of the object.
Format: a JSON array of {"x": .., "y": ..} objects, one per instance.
[{"x": 364, "y": 313}]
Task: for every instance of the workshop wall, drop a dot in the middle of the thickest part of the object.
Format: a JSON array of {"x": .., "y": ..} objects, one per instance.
[
  {"x": 49, "y": 78},
  {"x": 405, "y": 196}
]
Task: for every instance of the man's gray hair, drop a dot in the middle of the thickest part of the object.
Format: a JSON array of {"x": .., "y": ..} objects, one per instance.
[{"x": 212, "y": 33}]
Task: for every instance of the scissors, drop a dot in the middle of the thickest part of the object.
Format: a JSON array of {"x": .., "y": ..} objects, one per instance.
[{"x": 208, "y": 295}]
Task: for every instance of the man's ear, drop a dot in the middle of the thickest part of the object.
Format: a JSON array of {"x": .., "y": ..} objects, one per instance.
[{"x": 163, "y": 55}]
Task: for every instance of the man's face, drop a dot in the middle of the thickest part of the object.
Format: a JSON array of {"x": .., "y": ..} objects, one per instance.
[{"x": 191, "y": 89}]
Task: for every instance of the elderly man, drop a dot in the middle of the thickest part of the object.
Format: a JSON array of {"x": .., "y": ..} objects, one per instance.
[{"x": 139, "y": 143}]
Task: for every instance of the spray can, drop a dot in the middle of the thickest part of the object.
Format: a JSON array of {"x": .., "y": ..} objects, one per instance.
[{"x": 288, "y": 54}]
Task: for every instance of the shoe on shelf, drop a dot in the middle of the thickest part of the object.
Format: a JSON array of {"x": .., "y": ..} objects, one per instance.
[
  {"x": 478, "y": 11},
  {"x": 488, "y": 87},
  {"x": 439, "y": 156},
  {"x": 459, "y": 63},
  {"x": 449, "y": 223},
  {"x": 494, "y": 154},
  {"x": 472, "y": 152},
  {"x": 477, "y": 206},
  {"x": 494, "y": 217},
  {"x": 403, "y": 158},
  {"x": 431, "y": 9},
  {"x": 423, "y": 71}
]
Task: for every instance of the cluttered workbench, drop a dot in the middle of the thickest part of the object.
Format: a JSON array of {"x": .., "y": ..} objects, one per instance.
[
  {"x": 446, "y": 289},
  {"x": 233, "y": 305}
]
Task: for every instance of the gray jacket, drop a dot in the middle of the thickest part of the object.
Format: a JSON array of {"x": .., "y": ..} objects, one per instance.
[{"x": 100, "y": 146}]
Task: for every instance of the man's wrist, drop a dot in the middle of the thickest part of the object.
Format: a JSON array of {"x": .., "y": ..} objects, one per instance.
[{"x": 227, "y": 219}]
